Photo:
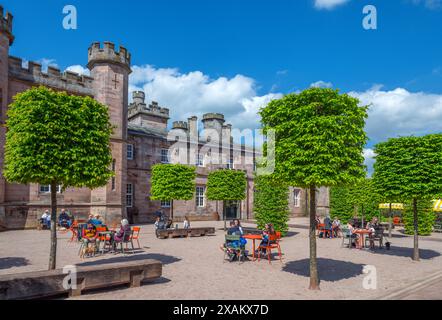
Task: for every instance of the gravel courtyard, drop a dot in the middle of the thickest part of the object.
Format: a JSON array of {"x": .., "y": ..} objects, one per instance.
[{"x": 193, "y": 268}]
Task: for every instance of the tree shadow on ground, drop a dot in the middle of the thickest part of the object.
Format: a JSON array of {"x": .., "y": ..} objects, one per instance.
[
  {"x": 328, "y": 269},
  {"x": 11, "y": 262},
  {"x": 164, "y": 259},
  {"x": 406, "y": 252}
]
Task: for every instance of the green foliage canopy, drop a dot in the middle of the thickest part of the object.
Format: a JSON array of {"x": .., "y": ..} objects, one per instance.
[
  {"x": 271, "y": 203},
  {"x": 172, "y": 182},
  {"x": 56, "y": 137},
  {"x": 226, "y": 185},
  {"x": 426, "y": 217},
  {"x": 409, "y": 168},
  {"x": 319, "y": 137},
  {"x": 346, "y": 201}
]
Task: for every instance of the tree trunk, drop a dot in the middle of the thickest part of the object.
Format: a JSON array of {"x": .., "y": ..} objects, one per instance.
[
  {"x": 314, "y": 279},
  {"x": 171, "y": 210},
  {"x": 416, "y": 232},
  {"x": 390, "y": 224},
  {"x": 53, "y": 251},
  {"x": 362, "y": 217},
  {"x": 224, "y": 215}
]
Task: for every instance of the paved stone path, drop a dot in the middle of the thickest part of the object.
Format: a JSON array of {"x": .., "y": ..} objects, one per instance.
[{"x": 193, "y": 268}]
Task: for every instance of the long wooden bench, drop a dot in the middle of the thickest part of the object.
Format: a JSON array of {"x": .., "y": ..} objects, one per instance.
[
  {"x": 45, "y": 284},
  {"x": 193, "y": 232}
]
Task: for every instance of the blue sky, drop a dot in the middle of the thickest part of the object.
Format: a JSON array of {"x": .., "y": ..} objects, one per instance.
[{"x": 233, "y": 56}]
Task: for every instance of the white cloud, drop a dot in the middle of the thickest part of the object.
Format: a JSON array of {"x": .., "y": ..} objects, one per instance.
[
  {"x": 369, "y": 160},
  {"x": 78, "y": 69},
  {"x": 45, "y": 63},
  {"x": 195, "y": 93},
  {"x": 429, "y": 4},
  {"x": 400, "y": 113},
  {"x": 329, "y": 4},
  {"x": 321, "y": 84}
]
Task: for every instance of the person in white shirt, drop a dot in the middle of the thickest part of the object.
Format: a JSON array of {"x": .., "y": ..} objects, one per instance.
[
  {"x": 238, "y": 225},
  {"x": 46, "y": 219},
  {"x": 186, "y": 223}
]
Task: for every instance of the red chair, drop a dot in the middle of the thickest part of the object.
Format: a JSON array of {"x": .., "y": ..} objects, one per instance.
[
  {"x": 136, "y": 235},
  {"x": 272, "y": 244},
  {"x": 74, "y": 230},
  {"x": 105, "y": 239}
]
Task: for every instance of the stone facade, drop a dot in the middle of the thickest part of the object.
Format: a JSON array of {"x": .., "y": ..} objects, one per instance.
[{"x": 139, "y": 139}]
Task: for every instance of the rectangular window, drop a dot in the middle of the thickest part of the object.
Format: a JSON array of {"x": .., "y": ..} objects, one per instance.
[
  {"x": 200, "y": 160},
  {"x": 297, "y": 198},
  {"x": 129, "y": 195},
  {"x": 164, "y": 155},
  {"x": 130, "y": 152},
  {"x": 47, "y": 189},
  {"x": 165, "y": 204},
  {"x": 200, "y": 197},
  {"x": 230, "y": 164}
]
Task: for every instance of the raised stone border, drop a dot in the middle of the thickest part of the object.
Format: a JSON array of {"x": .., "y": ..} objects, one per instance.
[
  {"x": 44, "y": 284},
  {"x": 193, "y": 232}
]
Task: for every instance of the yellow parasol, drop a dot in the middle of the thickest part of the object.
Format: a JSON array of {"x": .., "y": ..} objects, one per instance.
[{"x": 400, "y": 206}]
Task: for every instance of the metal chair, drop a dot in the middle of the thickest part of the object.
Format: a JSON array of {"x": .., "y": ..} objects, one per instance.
[
  {"x": 347, "y": 235},
  {"x": 377, "y": 236},
  {"x": 127, "y": 238},
  {"x": 273, "y": 243},
  {"x": 136, "y": 235},
  {"x": 230, "y": 245}
]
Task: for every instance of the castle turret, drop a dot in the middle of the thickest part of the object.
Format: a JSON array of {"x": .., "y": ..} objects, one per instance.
[
  {"x": 213, "y": 126},
  {"x": 144, "y": 115},
  {"x": 6, "y": 40},
  {"x": 6, "y": 25},
  {"x": 110, "y": 70}
]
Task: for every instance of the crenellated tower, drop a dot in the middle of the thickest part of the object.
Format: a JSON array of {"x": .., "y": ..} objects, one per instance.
[
  {"x": 110, "y": 69},
  {"x": 6, "y": 40}
]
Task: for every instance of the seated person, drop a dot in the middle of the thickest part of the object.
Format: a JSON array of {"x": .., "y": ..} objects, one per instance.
[
  {"x": 350, "y": 226},
  {"x": 234, "y": 245},
  {"x": 64, "y": 220},
  {"x": 123, "y": 234},
  {"x": 328, "y": 225},
  {"x": 186, "y": 223},
  {"x": 269, "y": 230},
  {"x": 317, "y": 221},
  {"x": 89, "y": 234},
  {"x": 238, "y": 225},
  {"x": 45, "y": 220},
  {"x": 336, "y": 226},
  {"x": 95, "y": 220},
  {"x": 169, "y": 223}
]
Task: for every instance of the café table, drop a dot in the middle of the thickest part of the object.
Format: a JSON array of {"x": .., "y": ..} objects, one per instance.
[
  {"x": 253, "y": 237},
  {"x": 362, "y": 233}
]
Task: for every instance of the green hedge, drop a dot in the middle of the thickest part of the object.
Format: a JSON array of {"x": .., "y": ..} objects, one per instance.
[
  {"x": 226, "y": 185},
  {"x": 426, "y": 217},
  {"x": 271, "y": 203}
]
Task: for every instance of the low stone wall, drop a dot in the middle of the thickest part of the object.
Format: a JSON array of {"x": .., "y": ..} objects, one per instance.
[{"x": 44, "y": 284}]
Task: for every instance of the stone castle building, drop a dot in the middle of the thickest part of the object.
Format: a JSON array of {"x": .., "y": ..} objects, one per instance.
[{"x": 141, "y": 138}]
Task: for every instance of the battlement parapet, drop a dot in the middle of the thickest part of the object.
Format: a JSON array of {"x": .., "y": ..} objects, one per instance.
[
  {"x": 138, "y": 106},
  {"x": 180, "y": 125},
  {"x": 213, "y": 116},
  {"x": 6, "y": 24},
  {"x": 68, "y": 81},
  {"x": 107, "y": 53}
]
